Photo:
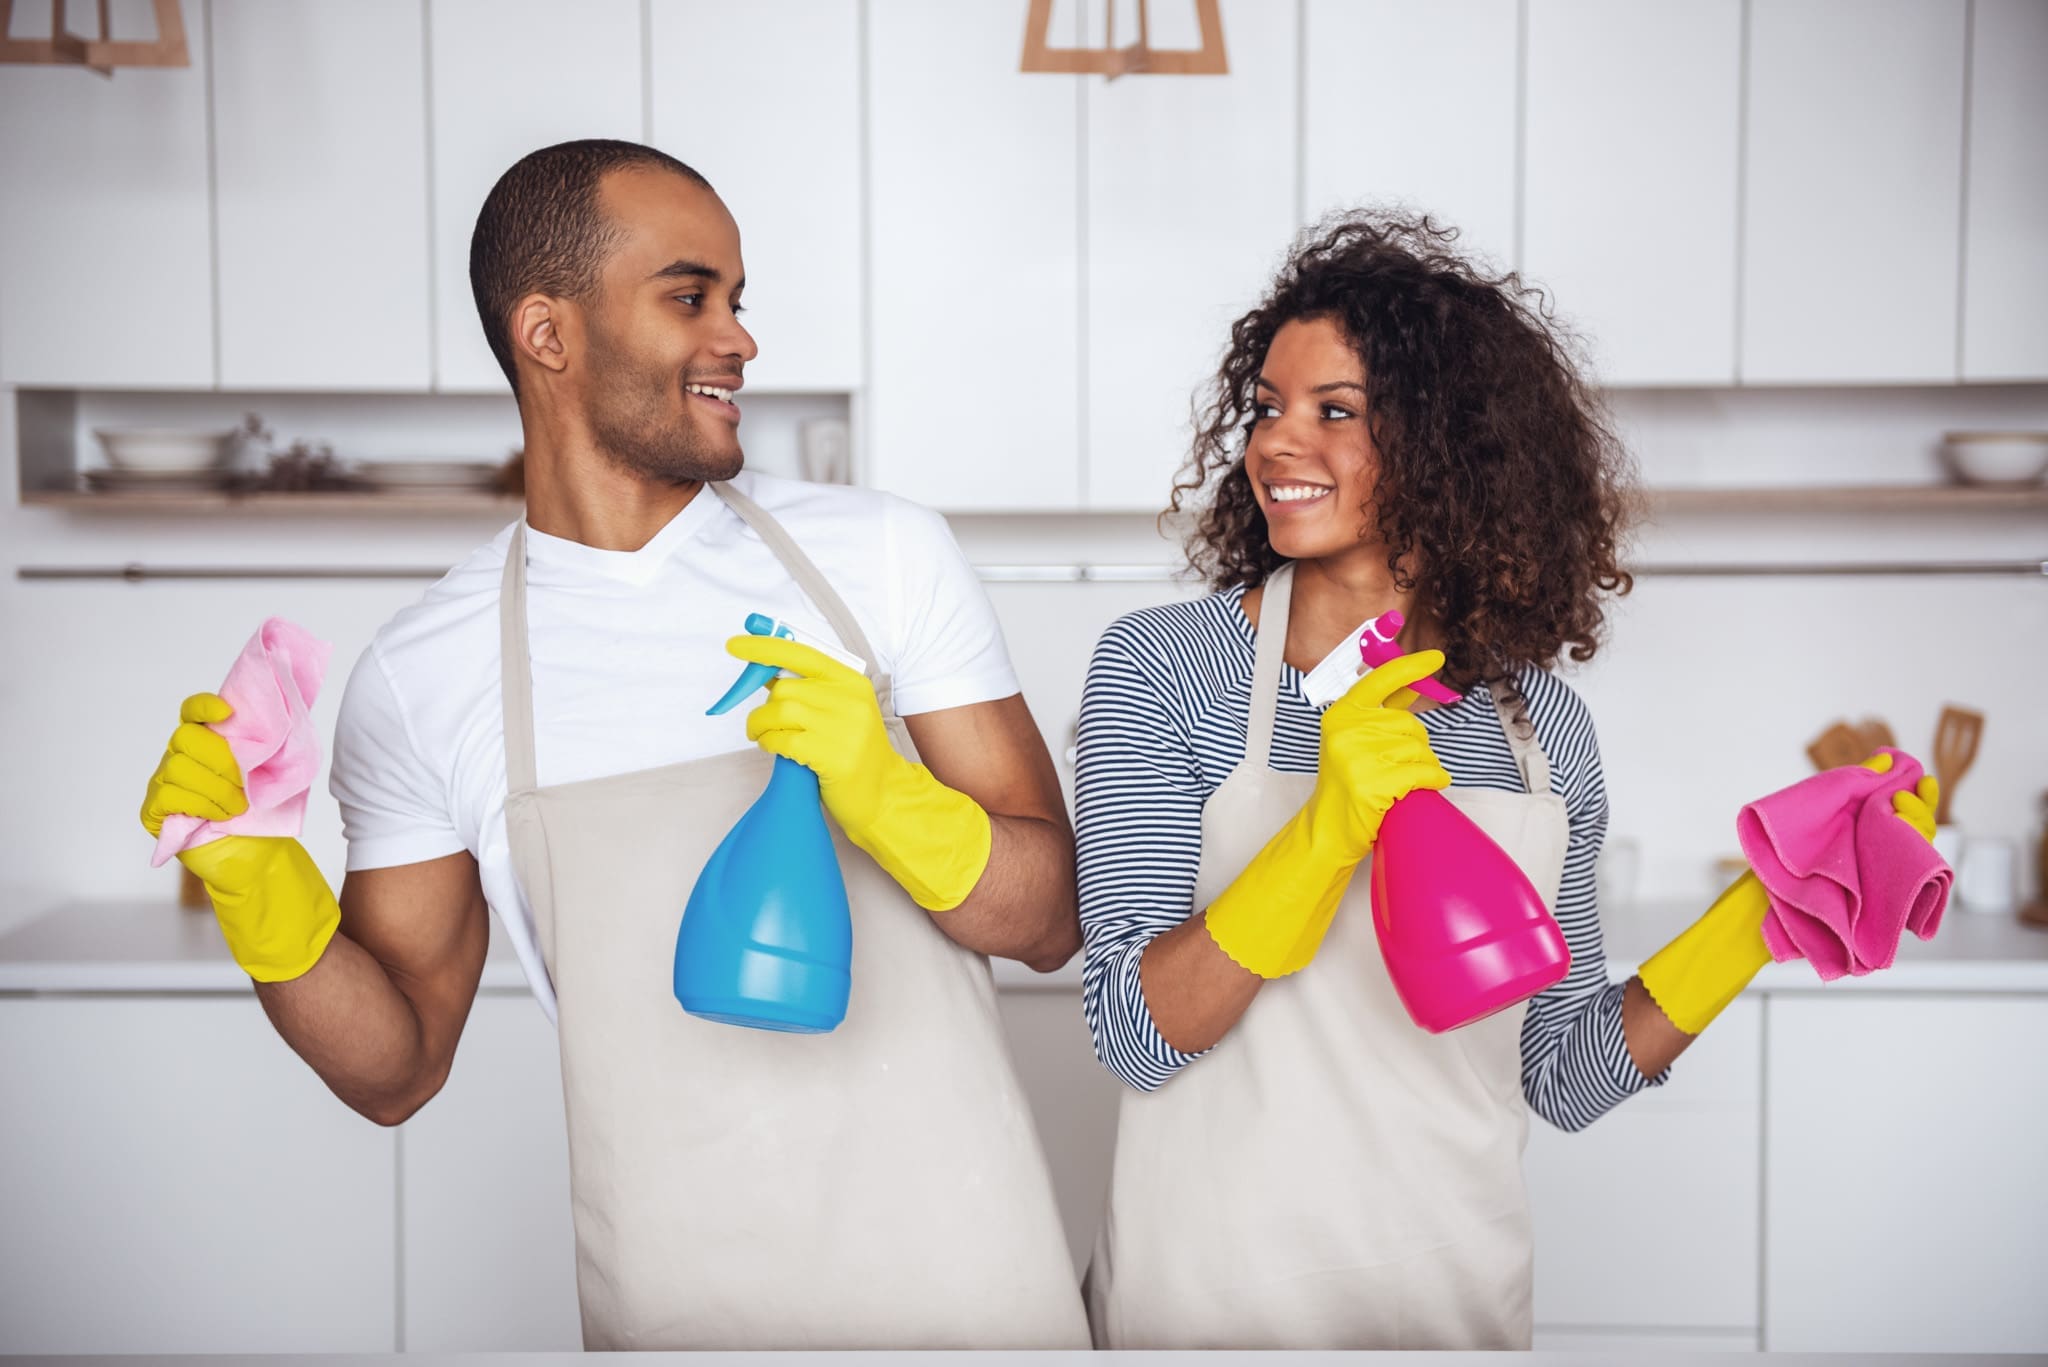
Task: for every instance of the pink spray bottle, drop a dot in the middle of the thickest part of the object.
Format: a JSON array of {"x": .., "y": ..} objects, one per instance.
[{"x": 1462, "y": 931}]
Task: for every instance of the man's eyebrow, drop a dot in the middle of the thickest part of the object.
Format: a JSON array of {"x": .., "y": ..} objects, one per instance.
[{"x": 687, "y": 270}]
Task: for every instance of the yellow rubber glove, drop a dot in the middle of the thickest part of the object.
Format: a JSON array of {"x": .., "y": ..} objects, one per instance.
[
  {"x": 275, "y": 910},
  {"x": 1693, "y": 978},
  {"x": 932, "y": 839},
  {"x": 1273, "y": 916}
]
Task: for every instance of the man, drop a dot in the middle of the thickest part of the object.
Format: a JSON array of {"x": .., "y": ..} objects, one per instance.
[{"x": 531, "y": 738}]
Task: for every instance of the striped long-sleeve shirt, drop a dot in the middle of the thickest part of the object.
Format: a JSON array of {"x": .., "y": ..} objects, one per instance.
[{"x": 1162, "y": 725}]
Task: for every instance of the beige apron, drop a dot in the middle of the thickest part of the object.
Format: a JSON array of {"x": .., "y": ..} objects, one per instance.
[
  {"x": 880, "y": 1186},
  {"x": 1331, "y": 1175}
]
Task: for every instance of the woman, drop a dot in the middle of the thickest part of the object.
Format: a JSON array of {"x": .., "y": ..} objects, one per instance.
[{"x": 1390, "y": 428}]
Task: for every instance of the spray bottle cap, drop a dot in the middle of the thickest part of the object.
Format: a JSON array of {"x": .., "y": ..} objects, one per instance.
[{"x": 757, "y": 676}]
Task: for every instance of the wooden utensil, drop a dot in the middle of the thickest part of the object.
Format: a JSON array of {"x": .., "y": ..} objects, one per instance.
[
  {"x": 1955, "y": 749},
  {"x": 1840, "y": 744},
  {"x": 1876, "y": 736}
]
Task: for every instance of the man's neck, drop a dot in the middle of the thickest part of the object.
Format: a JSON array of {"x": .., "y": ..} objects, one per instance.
[{"x": 574, "y": 492}]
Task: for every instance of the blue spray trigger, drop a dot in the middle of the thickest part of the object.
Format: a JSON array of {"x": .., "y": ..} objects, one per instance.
[{"x": 753, "y": 676}]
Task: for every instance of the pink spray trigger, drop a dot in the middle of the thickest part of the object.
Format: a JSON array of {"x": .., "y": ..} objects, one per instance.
[{"x": 1376, "y": 646}]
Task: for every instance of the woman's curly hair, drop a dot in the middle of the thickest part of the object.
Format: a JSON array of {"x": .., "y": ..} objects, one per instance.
[{"x": 1503, "y": 493}]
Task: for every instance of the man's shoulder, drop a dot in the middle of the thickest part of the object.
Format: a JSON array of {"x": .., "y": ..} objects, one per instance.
[{"x": 837, "y": 511}]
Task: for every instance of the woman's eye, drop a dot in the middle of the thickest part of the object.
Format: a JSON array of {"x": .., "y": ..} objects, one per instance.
[
  {"x": 1336, "y": 412},
  {"x": 1262, "y": 411}
]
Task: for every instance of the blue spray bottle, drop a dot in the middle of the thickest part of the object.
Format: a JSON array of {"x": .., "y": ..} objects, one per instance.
[{"x": 766, "y": 939}]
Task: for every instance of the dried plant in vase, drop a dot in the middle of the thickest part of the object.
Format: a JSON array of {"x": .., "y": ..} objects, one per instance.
[{"x": 302, "y": 467}]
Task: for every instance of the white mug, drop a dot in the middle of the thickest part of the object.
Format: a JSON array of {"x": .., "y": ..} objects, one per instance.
[{"x": 1988, "y": 879}]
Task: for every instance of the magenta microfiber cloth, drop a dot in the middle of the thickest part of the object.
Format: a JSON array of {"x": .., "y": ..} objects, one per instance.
[
  {"x": 271, "y": 686},
  {"x": 1847, "y": 877}
]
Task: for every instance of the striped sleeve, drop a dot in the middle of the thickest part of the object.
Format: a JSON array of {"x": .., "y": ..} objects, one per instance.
[
  {"x": 1138, "y": 798},
  {"x": 1575, "y": 1060}
]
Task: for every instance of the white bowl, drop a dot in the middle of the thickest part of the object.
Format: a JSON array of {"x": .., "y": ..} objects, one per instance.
[
  {"x": 2013, "y": 459},
  {"x": 165, "y": 450}
]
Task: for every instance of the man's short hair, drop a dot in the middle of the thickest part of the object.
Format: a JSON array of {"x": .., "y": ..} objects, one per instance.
[{"x": 542, "y": 230}]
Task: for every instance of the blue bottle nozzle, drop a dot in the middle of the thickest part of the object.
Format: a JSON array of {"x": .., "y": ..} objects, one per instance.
[{"x": 753, "y": 676}]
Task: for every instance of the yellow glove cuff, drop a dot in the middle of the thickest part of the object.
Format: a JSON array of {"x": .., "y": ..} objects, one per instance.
[
  {"x": 275, "y": 910},
  {"x": 1693, "y": 978},
  {"x": 1272, "y": 918},
  {"x": 932, "y": 839}
]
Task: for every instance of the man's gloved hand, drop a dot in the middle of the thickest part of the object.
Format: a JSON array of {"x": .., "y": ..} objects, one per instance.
[
  {"x": 1693, "y": 978},
  {"x": 932, "y": 839},
  {"x": 1273, "y": 916},
  {"x": 274, "y": 908}
]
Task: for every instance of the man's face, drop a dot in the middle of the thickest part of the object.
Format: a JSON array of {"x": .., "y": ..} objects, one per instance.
[{"x": 663, "y": 329}]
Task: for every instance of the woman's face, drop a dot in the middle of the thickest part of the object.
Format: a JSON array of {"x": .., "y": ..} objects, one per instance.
[{"x": 1311, "y": 460}]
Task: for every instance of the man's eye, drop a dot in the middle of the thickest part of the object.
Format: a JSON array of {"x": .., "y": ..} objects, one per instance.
[
  {"x": 738, "y": 309},
  {"x": 693, "y": 300}
]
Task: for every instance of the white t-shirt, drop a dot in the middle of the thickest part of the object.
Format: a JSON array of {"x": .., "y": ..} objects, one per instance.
[{"x": 628, "y": 650}]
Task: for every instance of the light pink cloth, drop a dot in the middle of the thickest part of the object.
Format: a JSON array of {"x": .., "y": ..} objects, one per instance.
[
  {"x": 1847, "y": 877},
  {"x": 271, "y": 686}
]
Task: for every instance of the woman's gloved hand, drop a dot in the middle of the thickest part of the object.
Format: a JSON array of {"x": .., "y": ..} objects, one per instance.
[
  {"x": 1272, "y": 918},
  {"x": 275, "y": 910},
  {"x": 932, "y": 839},
  {"x": 1693, "y": 978}
]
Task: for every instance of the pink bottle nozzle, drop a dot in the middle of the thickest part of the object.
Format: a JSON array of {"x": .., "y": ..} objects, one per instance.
[{"x": 1376, "y": 646}]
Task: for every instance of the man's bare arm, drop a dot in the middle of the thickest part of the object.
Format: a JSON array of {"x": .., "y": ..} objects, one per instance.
[
  {"x": 1024, "y": 905},
  {"x": 379, "y": 1015}
]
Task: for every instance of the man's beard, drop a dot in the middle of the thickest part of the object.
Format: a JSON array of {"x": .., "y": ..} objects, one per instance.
[{"x": 637, "y": 430}]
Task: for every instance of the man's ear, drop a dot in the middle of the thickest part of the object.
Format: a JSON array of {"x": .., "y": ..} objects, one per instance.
[{"x": 543, "y": 331}]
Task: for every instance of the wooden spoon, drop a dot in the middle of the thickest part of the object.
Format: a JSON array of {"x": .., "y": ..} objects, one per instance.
[
  {"x": 1876, "y": 736},
  {"x": 1955, "y": 749}
]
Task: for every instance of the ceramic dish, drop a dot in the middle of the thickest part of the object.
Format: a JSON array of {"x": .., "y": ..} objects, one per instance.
[
  {"x": 1996, "y": 459},
  {"x": 165, "y": 450}
]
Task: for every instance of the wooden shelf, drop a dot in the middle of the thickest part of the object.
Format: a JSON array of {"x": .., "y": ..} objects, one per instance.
[
  {"x": 1874, "y": 498},
  {"x": 225, "y": 501}
]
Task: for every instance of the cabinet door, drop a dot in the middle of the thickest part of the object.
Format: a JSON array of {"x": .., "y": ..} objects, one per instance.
[
  {"x": 320, "y": 147},
  {"x": 1851, "y": 223},
  {"x": 106, "y": 262},
  {"x": 974, "y": 187},
  {"x": 490, "y": 1251},
  {"x": 178, "y": 1181},
  {"x": 1647, "y": 1219},
  {"x": 2005, "y": 253},
  {"x": 490, "y": 112},
  {"x": 1191, "y": 191},
  {"x": 1414, "y": 103},
  {"x": 1907, "y": 1193},
  {"x": 764, "y": 100},
  {"x": 1632, "y": 131}
]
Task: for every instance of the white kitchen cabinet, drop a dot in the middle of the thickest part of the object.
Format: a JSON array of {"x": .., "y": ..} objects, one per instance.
[
  {"x": 1415, "y": 104},
  {"x": 178, "y": 1181},
  {"x": 2005, "y": 247},
  {"x": 106, "y": 259},
  {"x": 489, "y": 1247},
  {"x": 1632, "y": 132},
  {"x": 489, "y": 112},
  {"x": 1891, "y": 1224},
  {"x": 1852, "y": 207},
  {"x": 764, "y": 100},
  {"x": 975, "y": 194},
  {"x": 320, "y": 149},
  {"x": 1646, "y": 1221},
  {"x": 1190, "y": 207}
]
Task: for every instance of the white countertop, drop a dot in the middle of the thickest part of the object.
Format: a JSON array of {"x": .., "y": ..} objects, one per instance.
[{"x": 149, "y": 945}]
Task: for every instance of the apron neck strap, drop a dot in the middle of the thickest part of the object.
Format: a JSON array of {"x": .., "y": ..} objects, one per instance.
[
  {"x": 1513, "y": 710},
  {"x": 807, "y": 575},
  {"x": 1269, "y": 648},
  {"x": 516, "y": 666}
]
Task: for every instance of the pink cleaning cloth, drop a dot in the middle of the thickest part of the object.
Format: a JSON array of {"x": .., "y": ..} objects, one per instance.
[
  {"x": 1847, "y": 877},
  {"x": 271, "y": 686}
]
